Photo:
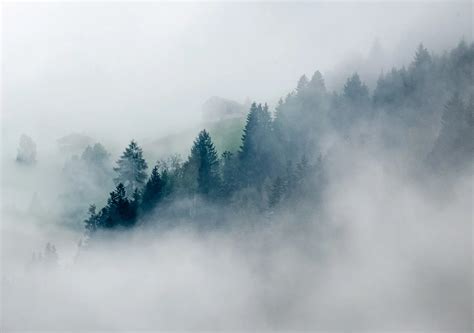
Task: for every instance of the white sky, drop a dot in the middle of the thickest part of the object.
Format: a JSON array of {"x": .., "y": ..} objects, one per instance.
[{"x": 144, "y": 69}]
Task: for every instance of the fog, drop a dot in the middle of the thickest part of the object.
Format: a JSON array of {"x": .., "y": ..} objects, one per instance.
[
  {"x": 86, "y": 65},
  {"x": 382, "y": 254},
  {"x": 377, "y": 238}
]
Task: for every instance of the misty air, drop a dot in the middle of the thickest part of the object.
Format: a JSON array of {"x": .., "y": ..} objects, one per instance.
[{"x": 237, "y": 166}]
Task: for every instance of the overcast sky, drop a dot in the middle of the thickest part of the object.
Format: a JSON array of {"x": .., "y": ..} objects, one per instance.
[{"x": 144, "y": 69}]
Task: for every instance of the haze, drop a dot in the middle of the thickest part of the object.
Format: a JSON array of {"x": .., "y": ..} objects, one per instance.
[
  {"x": 244, "y": 166},
  {"x": 79, "y": 67}
]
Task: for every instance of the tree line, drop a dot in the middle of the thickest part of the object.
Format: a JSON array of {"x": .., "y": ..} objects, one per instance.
[{"x": 279, "y": 160}]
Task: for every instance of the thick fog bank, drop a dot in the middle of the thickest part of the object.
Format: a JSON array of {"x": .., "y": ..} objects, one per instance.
[
  {"x": 147, "y": 67},
  {"x": 333, "y": 202},
  {"x": 385, "y": 252}
]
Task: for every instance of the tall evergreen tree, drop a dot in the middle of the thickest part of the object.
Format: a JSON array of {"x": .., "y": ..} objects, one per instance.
[
  {"x": 422, "y": 56},
  {"x": 202, "y": 166},
  {"x": 119, "y": 210},
  {"x": 152, "y": 192},
  {"x": 302, "y": 84},
  {"x": 131, "y": 168},
  {"x": 355, "y": 91},
  {"x": 255, "y": 153},
  {"x": 317, "y": 83}
]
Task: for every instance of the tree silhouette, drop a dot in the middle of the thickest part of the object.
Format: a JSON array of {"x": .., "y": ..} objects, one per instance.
[
  {"x": 201, "y": 171},
  {"x": 153, "y": 190},
  {"x": 131, "y": 168}
]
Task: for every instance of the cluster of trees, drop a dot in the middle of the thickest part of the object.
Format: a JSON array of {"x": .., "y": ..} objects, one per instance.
[
  {"x": 204, "y": 176},
  {"x": 279, "y": 160}
]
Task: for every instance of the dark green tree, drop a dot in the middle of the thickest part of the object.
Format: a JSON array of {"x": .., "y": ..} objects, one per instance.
[
  {"x": 153, "y": 190},
  {"x": 119, "y": 209},
  {"x": 201, "y": 171},
  {"x": 256, "y": 152}
]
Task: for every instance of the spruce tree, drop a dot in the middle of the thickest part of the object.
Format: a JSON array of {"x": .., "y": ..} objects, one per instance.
[
  {"x": 355, "y": 91},
  {"x": 131, "y": 168},
  {"x": 422, "y": 57},
  {"x": 203, "y": 165},
  {"x": 119, "y": 210},
  {"x": 302, "y": 84},
  {"x": 153, "y": 190},
  {"x": 317, "y": 84},
  {"x": 257, "y": 153}
]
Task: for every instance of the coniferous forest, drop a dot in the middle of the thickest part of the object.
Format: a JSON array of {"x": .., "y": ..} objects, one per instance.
[
  {"x": 280, "y": 163},
  {"x": 246, "y": 166}
]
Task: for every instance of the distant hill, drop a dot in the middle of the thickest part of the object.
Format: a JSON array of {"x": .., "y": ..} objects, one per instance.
[
  {"x": 218, "y": 108},
  {"x": 223, "y": 118}
]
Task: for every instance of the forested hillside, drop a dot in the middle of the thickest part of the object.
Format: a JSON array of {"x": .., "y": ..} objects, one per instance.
[{"x": 425, "y": 109}]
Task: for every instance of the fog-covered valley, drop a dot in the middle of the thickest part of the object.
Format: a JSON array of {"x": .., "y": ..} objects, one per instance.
[{"x": 168, "y": 166}]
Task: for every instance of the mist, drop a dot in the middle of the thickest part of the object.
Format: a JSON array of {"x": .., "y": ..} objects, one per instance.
[
  {"x": 248, "y": 199},
  {"x": 87, "y": 64}
]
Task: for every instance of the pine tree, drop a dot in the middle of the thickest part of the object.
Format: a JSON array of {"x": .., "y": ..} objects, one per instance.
[
  {"x": 152, "y": 192},
  {"x": 422, "y": 56},
  {"x": 203, "y": 165},
  {"x": 131, "y": 168},
  {"x": 302, "y": 84},
  {"x": 248, "y": 142},
  {"x": 420, "y": 76},
  {"x": 256, "y": 152},
  {"x": 355, "y": 91},
  {"x": 119, "y": 211},
  {"x": 317, "y": 83}
]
